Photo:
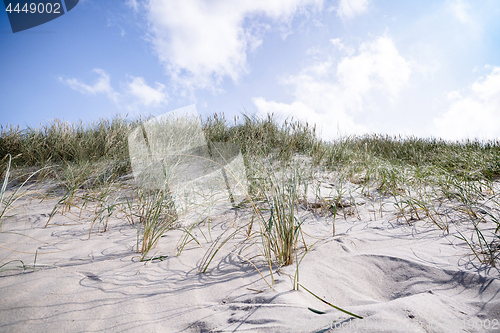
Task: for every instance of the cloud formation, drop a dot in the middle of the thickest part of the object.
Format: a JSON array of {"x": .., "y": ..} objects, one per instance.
[
  {"x": 460, "y": 9},
  {"x": 348, "y": 9},
  {"x": 474, "y": 112},
  {"x": 136, "y": 93},
  {"x": 132, "y": 4},
  {"x": 148, "y": 96},
  {"x": 101, "y": 86},
  {"x": 331, "y": 96},
  {"x": 202, "y": 42}
]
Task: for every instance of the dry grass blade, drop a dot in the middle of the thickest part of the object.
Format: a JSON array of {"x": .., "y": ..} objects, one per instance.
[
  {"x": 330, "y": 304},
  {"x": 6, "y": 204}
]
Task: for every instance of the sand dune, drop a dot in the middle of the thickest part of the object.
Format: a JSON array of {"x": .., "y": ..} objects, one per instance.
[{"x": 399, "y": 277}]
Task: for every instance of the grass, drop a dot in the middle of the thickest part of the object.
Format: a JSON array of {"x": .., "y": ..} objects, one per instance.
[
  {"x": 447, "y": 184},
  {"x": 7, "y": 202},
  {"x": 158, "y": 216}
]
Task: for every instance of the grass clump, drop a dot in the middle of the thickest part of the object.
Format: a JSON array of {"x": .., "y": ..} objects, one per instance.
[
  {"x": 7, "y": 202},
  {"x": 448, "y": 184},
  {"x": 430, "y": 179},
  {"x": 62, "y": 142}
]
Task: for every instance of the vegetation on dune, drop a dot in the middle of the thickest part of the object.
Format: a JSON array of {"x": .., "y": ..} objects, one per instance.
[
  {"x": 61, "y": 142},
  {"x": 441, "y": 182}
]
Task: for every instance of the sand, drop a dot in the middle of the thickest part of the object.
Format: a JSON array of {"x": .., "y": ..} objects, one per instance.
[{"x": 399, "y": 277}]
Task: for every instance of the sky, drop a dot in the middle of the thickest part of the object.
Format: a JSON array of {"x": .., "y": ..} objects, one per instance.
[{"x": 425, "y": 68}]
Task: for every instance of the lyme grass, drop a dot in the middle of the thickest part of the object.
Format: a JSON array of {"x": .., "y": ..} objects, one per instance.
[
  {"x": 159, "y": 216},
  {"x": 61, "y": 142},
  {"x": 7, "y": 203},
  {"x": 430, "y": 180},
  {"x": 281, "y": 230},
  {"x": 433, "y": 180},
  {"x": 330, "y": 304},
  {"x": 82, "y": 183},
  {"x": 278, "y": 183}
]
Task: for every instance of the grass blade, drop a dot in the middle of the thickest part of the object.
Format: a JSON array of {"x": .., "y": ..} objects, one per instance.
[{"x": 330, "y": 304}]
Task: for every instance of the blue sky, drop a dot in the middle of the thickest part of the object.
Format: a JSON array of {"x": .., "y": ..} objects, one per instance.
[{"x": 423, "y": 68}]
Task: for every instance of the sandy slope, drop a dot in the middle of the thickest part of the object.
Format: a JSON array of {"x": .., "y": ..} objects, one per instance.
[{"x": 400, "y": 278}]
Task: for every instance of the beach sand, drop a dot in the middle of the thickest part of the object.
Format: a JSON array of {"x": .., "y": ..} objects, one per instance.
[{"x": 399, "y": 277}]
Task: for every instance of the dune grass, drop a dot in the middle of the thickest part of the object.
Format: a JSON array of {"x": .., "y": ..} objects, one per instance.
[
  {"x": 7, "y": 202},
  {"x": 441, "y": 182},
  {"x": 422, "y": 175}
]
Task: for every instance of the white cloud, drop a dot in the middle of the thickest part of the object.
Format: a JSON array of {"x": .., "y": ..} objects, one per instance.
[
  {"x": 378, "y": 65},
  {"x": 101, "y": 86},
  {"x": 459, "y": 9},
  {"x": 348, "y": 9},
  {"x": 337, "y": 43},
  {"x": 341, "y": 46},
  {"x": 331, "y": 96},
  {"x": 202, "y": 42},
  {"x": 297, "y": 109},
  {"x": 454, "y": 95},
  {"x": 133, "y": 4},
  {"x": 147, "y": 95},
  {"x": 136, "y": 93},
  {"x": 473, "y": 113}
]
